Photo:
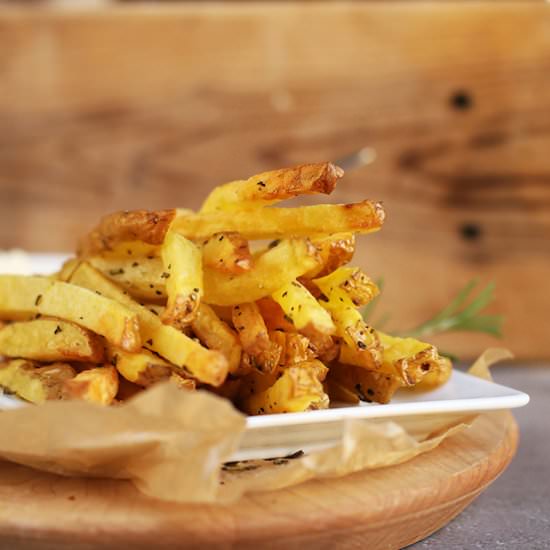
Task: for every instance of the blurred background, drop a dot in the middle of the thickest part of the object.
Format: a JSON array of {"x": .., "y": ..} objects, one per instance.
[{"x": 122, "y": 105}]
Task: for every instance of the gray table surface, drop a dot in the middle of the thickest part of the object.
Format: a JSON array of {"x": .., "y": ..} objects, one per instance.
[{"x": 514, "y": 512}]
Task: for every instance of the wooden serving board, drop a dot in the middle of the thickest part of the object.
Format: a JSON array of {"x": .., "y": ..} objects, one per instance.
[{"x": 387, "y": 508}]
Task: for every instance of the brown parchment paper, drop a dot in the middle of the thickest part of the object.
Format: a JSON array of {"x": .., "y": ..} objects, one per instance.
[{"x": 173, "y": 445}]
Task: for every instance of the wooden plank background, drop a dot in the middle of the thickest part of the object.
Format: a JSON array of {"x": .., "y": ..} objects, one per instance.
[{"x": 151, "y": 107}]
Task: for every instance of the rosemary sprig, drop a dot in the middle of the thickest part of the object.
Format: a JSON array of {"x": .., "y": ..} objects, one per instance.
[{"x": 462, "y": 314}]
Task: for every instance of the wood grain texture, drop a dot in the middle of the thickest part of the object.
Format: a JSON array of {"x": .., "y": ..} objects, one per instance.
[
  {"x": 150, "y": 108},
  {"x": 381, "y": 509}
]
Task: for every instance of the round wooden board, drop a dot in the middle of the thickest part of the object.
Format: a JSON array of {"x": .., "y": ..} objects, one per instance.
[{"x": 386, "y": 508}]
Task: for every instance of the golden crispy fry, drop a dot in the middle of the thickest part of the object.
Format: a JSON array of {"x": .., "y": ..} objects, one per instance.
[
  {"x": 99, "y": 385},
  {"x": 142, "y": 368},
  {"x": 248, "y": 321},
  {"x": 270, "y": 187},
  {"x": 436, "y": 376},
  {"x": 302, "y": 309},
  {"x": 208, "y": 366},
  {"x": 50, "y": 340},
  {"x": 299, "y": 388},
  {"x": 274, "y": 316},
  {"x": 130, "y": 250},
  {"x": 149, "y": 227},
  {"x": 349, "y": 286},
  {"x": 183, "y": 272},
  {"x": 33, "y": 383},
  {"x": 411, "y": 358},
  {"x": 370, "y": 386},
  {"x": 274, "y": 223},
  {"x": 266, "y": 276},
  {"x": 21, "y": 296},
  {"x": 227, "y": 252},
  {"x": 215, "y": 334},
  {"x": 335, "y": 250},
  {"x": 144, "y": 278},
  {"x": 295, "y": 347}
]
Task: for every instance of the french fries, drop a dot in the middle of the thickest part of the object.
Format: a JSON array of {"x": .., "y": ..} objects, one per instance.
[
  {"x": 50, "y": 340},
  {"x": 227, "y": 252},
  {"x": 98, "y": 385},
  {"x": 35, "y": 383},
  {"x": 270, "y": 187},
  {"x": 265, "y": 277},
  {"x": 186, "y": 297},
  {"x": 183, "y": 273},
  {"x": 275, "y": 223},
  {"x": 262, "y": 353},
  {"x": 21, "y": 296}
]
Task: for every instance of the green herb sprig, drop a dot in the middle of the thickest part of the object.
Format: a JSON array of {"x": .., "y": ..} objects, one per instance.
[{"x": 462, "y": 314}]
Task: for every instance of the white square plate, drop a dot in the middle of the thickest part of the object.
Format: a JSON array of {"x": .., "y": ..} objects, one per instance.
[{"x": 281, "y": 434}]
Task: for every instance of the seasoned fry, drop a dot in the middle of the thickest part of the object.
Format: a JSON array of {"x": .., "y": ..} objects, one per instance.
[
  {"x": 149, "y": 227},
  {"x": 33, "y": 383},
  {"x": 335, "y": 250},
  {"x": 183, "y": 273},
  {"x": 370, "y": 386},
  {"x": 265, "y": 277},
  {"x": 436, "y": 376},
  {"x": 215, "y": 334},
  {"x": 21, "y": 296},
  {"x": 99, "y": 385},
  {"x": 187, "y": 298},
  {"x": 143, "y": 278},
  {"x": 302, "y": 309},
  {"x": 410, "y": 358},
  {"x": 50, "y": 340},
  {"x": 295, "y": 347},
  {"x": 299, "y": 389},
  {"x": 142, "y": 368},
  {"x": 275, "y": 223},
  {"x": 349, "y": 286},
  {"x": 263, "y": 353},
  {"x": 270, "y": 187},
  {"x": 208, "y": 366},
  {"x": 227, "y": 252}
]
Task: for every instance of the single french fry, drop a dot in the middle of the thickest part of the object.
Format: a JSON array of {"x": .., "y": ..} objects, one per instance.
[
  {"x": 184, "y": 281},
  {"x": 302, "y": 309},
  {"x": 216, "y": 334},
  {"x": 144, "y": 278},
  {"x": 274, "y": 316},
  {"x": 436, "y": 376},
  {"x": 254, "y": 337},
  {"x": 149, "y": 227},
  {"x": 335, "y": 251},
  {"x": 296, "y": 348},
  {"x": 50, "y": 340},
  {"x": 275, "y": 223},
  {"x": 142, "y": 368},
  {"x": 227, "y": 252},
  {"x": 266, "y": 276},
  {"x": 348, "y": 286},
  {"x": 299, "y": 388},
  {"x": 370, "y": 386},
  {"x": 98, "y": 385},
  {"x": 34, "y": 383},
  {"x": 21, "y": 296},
  {"x": 208, "y": 366},
  {"x": 270, "y": 187}
]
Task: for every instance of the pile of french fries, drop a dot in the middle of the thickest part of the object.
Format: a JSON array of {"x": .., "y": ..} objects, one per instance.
[{"x": 252, "y": 302}]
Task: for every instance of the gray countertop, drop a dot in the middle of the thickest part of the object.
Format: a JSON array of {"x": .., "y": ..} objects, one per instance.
[{"x": 514, "y": 512}]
